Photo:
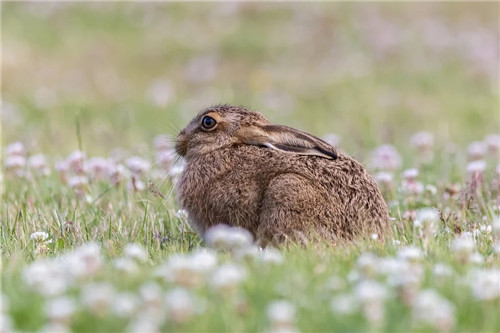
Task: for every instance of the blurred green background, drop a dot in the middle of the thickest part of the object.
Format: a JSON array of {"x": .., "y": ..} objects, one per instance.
[{"x": 372, "y": 73}]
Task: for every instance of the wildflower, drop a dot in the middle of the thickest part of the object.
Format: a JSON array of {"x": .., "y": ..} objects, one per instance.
[
  {"x": 76, "y": 161},
  {"x": 410, "y": 174},
  {"x": 371, "y": 296},
  {"x": 136, "y": 252},
  {"x": 463, "y": 246},
  {"x": 423, "y": 141},
  {"x": 385, "y": 157},
  {"x": 60, "y": 309},
  {"x": 78, "y": 183},
  {"x": 271, "y": 256},
  {"x": 476, "y": 151},
  {"x": 227, "y": 278},
  {"x": 432, "y": 309},
  {"x": 180, "y": 305},
  {"x": 426, "y": 221},
  {"x": 188, "y": 270},
  {"x": 367, "y": 264},
  {"x": 411, "y": 253},
  {"x": 344, "y": 304},
  {"x": 492, "y": 142},
  {"x": 97, "y": 297},
  {"x": 476, "y": 168},
  {"x": 39, "y": 164},
  {"x": 281, "y": 314},
  {"x": 117, "y": 173},
  {"x": 15, "y": 162},
  {"x": 125, "y": 305},
  {"x": 98, "y": 167},
  {"x": 442, "y": 270},
  {"x": 137, "y": 165},
  {"x": 126, "y": 265},
  {"x": 332, "y": 139},
  {"x": 15, "y": 149},
  {"x": 152, "y": 299},
  {"x": 84, "y": 261},
  {"x": 182, "y": 214},
  {"x": 46, "y": 277},
  {"x": 384, "y": 179},
  {"x": 228, "y": 238},
  {"x": 39, "y": 236}
]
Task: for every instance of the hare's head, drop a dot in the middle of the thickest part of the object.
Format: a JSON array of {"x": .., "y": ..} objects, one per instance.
[{"x": 225, "y": 126}]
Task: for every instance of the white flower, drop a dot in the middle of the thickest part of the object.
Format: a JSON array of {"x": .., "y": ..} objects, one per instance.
[
  {"x": 16, "y": 148},
  {"x": 432, "y": 309},
  {"x": 271, "y": 256},
  {"x": 344, "y": 304},
  {"x": 125, "y": 305},
  {"x": 60, "y": 309},
  {"x": 126, "y": 265},
  {"x": 136, "y": 252},
  {"x": 370, "y": 291},
  {"x": 427, "y": 220},
  {"x": 138, "y": 165},
  {"x": 180, "y": 305},
  {"x": 84, "y": 261},
  {"x": 97, "y": 297},
  {"x": 423, "y": 141},
  {"x": 410, "y": 253},
  {"x": 476, "y": 150},
  {"x": 367, "y": 264},
  {"x": 39, "y": 236},
  {"x": 47, "y": 277},
  {"x": 228, "y": 238},
  {"x": 78, "y": 182},
  {"x": 442, "y": 270},
  {"x": 385, "y": 157},
  {"x": 76, "y": 161},
  {"x": 227, "y": 278},
  {"x": 410, "y": 174},
  {"x": 485, "y": 284},
  {"x": 463, "y": 246},
  {"x": 384, "y": 178},
  {"x": 14, "y": 162},
  {"x": 181, "y": 214},
  {"x": 476, "y": 167},
  {"x": 188, "y": 269},
  {"x": 281, "y": 313},
  {"x": 492, "y": 141}
]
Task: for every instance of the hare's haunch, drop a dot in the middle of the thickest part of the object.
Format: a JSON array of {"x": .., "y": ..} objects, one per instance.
[{"x": 276, "y": 181}]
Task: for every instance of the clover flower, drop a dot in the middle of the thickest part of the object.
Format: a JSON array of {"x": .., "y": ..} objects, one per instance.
[
  {"x": 39, "y": 236},
  {"x": 60, "y": 309},
  {"x": 227, "y": 278},
  {"x": 97, "y": 297},
  {"x": 125, "y": 305},
  {"x": 126, "y": 265},
  {"x": 385, "y": 157},
  {"x": 188, "y": 270},
  {"x": 76, "y": 162},
  {"x": 271, "y": 256},
  {"x": 136, "y": 252},
  {"x": 344, "y": 304},
  {"x": 38, "y": 163},
  {"x": 15, "y": 149},
  {"x": 411, "y": 253},
  {"x": 426, "y": 222},
  {"x": 228, "y": 238},
  {"x": 281, "y": 314},
  {"x": 85, "y": 261},
  {"x": 485, "y": 284},
  {"x": 463, "y": 247},
  {"x": 180, "y": 305},
  {"x": 46, "y": 277},
  {"x": 138, "y": 165},
  {"x": 476, "y": 151},
  {"x": 372, "y": 295},
  {"x": 432, "y": 309}
]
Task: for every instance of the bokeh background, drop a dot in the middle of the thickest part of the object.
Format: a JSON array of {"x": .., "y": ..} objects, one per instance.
[{"x": 372, "y": 73}]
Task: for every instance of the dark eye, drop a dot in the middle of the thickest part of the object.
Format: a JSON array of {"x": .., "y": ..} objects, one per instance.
[{"x": 208, "y": 122}]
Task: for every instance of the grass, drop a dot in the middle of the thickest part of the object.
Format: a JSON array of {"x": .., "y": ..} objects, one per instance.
[{"x": 101, "y": 77}]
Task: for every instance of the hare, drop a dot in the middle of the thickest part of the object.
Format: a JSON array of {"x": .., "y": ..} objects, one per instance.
[{"x": 277, "y": 182}]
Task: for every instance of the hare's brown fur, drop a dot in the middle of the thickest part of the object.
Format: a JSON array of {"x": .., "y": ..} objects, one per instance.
[{"x": 274, "y": 194}]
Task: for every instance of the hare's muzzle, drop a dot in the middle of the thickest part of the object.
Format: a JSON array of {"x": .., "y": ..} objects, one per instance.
[{"x": 181, "y": 144}]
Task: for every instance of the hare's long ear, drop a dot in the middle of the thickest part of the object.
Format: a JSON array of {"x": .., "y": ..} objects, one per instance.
[{"x": 286, "y": 139}]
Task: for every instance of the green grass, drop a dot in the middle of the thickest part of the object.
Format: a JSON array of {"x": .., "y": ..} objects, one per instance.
[{"x": 79, "y": 76}]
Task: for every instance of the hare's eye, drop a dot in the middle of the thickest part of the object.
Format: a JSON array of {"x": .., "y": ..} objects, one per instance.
[{"x": 208, "y": 123}]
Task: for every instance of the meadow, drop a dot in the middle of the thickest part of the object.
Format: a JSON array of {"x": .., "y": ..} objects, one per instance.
[{"x": 93, "y": 94}]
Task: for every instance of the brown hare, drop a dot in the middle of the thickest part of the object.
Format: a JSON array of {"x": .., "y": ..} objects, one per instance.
[{"x": 277, "y": 182}]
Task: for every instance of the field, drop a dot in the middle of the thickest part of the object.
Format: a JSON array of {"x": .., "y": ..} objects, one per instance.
[{"x": 93, "y": 94}]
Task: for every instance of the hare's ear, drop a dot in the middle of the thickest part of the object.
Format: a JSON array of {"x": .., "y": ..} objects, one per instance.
[{"x": 286, "y": 139}]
